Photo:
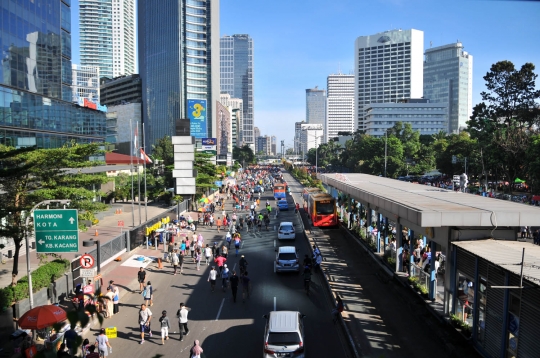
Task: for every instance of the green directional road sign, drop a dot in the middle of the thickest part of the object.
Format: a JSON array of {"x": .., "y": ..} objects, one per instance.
[{"x": 56, "y": 230}]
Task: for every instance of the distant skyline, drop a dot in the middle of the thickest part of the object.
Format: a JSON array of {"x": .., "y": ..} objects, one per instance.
[{"x": 298, "y": 46}]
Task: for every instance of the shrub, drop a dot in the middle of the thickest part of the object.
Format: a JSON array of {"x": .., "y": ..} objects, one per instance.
[
  {"x": 391, "y": 261},
  {"x": 41, "y": 278}
]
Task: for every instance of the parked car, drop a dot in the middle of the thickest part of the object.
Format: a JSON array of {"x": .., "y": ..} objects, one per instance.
[
  {"x": 284, "y": 335},
  {"x": 286, "y": 231},
  {"x": 287, "y": 260},
  {"x": 282, "y": 204}
]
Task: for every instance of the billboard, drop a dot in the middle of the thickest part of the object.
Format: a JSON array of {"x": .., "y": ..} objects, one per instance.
[
  {"x": 209, "y": 145},
  {"x": 197, "y": 117}
]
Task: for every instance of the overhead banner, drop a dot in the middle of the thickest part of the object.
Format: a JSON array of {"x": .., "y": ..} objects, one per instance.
[{"x": 197, "y": 117}]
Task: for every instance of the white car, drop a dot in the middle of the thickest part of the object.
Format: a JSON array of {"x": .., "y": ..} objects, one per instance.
[
  {"x": 287, "y": 259},
  {"x": 286, "y": 231},
  {"x": 284, "y": 334}
]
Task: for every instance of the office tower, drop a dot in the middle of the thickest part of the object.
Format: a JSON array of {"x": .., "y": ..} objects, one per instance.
[
  {"x": 236, "y": 70},
  {"x": 120, "y": 90},
  {"x": 448, "y": 79},
  {"x": 236, "y": 106},
  {"x": 224, "y": 130},
  {"x": 273, "y": 145},
  {"x": 85, "y": 83},
  {"x": 339, "y": 105},
  {"x": 179, "y": 66},
  {"x": 36, "y": 107},
  {"x": 263, "y": 145},
  {"x": 312, "y": 134},
  {"x": 107, "y": 36},
  {"x": 256, "y": 131},
  {"x": 425, "y": 117},
  {"x": 299, "y": 138},
  {"x": 388, "y": 67},
  {"x": 316, "y": 106}
]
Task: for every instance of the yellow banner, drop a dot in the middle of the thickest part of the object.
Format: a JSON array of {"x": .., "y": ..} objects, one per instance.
[
  {"x": 157, "y": 225},
  {"x": 111, "y": 332}
]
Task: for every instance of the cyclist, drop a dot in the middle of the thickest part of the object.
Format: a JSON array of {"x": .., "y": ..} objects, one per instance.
[
  {"x": 307, "y": 279},
  {"x": 307, "y": 261}
]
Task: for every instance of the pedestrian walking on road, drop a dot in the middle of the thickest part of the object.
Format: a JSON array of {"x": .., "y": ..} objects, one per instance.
[
  {"x": 102, "y": 343},
  {"x": 215, "y": 250},
  {"x": 228, "y": 238},
  {"x": 175, "y": 260},
  {"x": 141, "y": 277},
  {"x": 225, "y": 277},
  {"x": 198, "y": 259},
  {"x": 246, "y": 286},
  {"x": 145, "y": 316},
  {"x": 220, "y": 260},
  {"x": 148, "y": 294},
  {"x": 224, "y": 251},
  {"x": 164, "y": 321},
  {"x": 207, "y": 254},
  {"x": 182, "y": 315},
  {"x": 196, "y": 350},
  {"x": 212, "y": 278},
  {"x": 234, "y": 284},
  {"x": 219, "y": 223},
  {"x": 237, "y": 243},
  {"x": 192, "y": 248},
  {"x": 116, "y": 298}
]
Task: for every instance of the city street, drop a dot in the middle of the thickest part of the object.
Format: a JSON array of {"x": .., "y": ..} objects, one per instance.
[{"x": 224, "y": 328}]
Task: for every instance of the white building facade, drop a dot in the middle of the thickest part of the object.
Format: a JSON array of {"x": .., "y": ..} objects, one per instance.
[
  {"x": 448, "y": 80},
  {"x": 235, "y": 106},
  {"x": 312, "y": 135},
  {"x": 388, "y": 67},
  {"x": 427, "y": 118},
  {"x": 339, "y": 105},
  {"x": 107, "y": 36},
  {"x": 85, "y": 83}
]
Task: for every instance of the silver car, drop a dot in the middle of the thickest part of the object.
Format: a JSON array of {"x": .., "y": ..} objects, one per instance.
[
  {"x": 287, "y": 259},
  {"x": 284, "y": 335}
]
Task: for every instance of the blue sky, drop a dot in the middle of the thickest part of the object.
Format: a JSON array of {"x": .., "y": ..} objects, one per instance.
[{"x": 298, "y": 43}]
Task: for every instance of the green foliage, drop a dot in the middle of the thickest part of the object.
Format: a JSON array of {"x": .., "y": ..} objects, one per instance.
[
  {"x": 244, "y": 155},
  {"x": 391, "y": 261},
  {"x": 163, "y": 150},
  {"x": 41, "y": 278}
]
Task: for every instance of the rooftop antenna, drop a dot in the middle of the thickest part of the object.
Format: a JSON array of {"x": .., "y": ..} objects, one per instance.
[
  {"x": 430, "y": 44},
  {"x": 339, "y": 68}
]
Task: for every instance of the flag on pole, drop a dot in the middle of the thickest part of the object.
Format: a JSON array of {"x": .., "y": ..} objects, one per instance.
[
  {"x": 145, "y": 157},
  {"x": 136, "y": 138}
]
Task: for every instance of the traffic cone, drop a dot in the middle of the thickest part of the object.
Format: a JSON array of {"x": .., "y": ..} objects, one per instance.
[{"x": 96, "y": 233}]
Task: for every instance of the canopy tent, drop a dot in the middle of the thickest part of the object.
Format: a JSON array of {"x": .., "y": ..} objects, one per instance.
[{"x": 42, "y": 317}]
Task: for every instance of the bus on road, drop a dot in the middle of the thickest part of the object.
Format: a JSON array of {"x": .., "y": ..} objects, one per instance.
[
  {"x": 280, "y": 191},
  {"x": 321, "y": 209}
]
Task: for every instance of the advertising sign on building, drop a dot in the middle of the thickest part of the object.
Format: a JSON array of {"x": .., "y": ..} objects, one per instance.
[{"x": 197, "y": 117}]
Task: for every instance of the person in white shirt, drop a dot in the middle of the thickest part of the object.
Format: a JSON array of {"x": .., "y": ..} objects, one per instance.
[
  {"x": 212, "y": 278},
  {"x": 145, "y": 316},
  {"x": 207, "y": 254},
  {"x": 182, "y": 315}
]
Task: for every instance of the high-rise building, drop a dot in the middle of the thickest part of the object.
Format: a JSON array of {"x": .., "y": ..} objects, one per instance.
[
  {"x": 85, "y": 83},
  {"x": 448, "y": 79},
  {"x": 236, "y": 107},
  {"x": 273, "y": 145},
  {"x": 264, "y": 145},
  {"x": 257, "y": 131},
  {"x": 224, "y": 130},
  {"x": 121, "y": 90},
  {"x": 236, "y": 72},
  {"x": 299, "y": 137},
  {"x": 316, "y": 106},
  {"x": 107, "y": 36},
  {"x": 36, "y": 107},
  {"x": 339, "y": 105},
  {"x": 424, "y": 117},
  {"x": 388, "y": 67},
  {"x": 179, "y": 66}
]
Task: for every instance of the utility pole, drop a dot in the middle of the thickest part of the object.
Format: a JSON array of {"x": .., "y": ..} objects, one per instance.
[{"x": 385, "y": 150}]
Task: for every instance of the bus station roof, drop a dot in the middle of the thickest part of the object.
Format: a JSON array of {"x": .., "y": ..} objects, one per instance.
[{"x": 428, "y": 206}]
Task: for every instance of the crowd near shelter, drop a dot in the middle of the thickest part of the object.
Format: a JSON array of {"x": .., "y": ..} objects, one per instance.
[{"x": 491, "y": 278}]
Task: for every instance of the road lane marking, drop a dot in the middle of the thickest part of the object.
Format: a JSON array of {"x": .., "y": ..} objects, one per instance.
[
  {"x": 274, "y": 303},
  {"x": 234, "y": 266},
  {"x": 220, "y": 307}
]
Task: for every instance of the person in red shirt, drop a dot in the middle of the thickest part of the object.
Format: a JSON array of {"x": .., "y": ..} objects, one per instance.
[
  {"x": 220, "y": 260},
  {"x": 219, "y": 222}
]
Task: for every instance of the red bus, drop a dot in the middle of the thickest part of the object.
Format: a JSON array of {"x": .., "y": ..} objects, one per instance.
[
  {"x": 305, "y": 195},
  {"x": 321, "y": 209}
]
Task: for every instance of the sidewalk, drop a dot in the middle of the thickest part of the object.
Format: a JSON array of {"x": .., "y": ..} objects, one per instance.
[{"x": 107, "y": 229}]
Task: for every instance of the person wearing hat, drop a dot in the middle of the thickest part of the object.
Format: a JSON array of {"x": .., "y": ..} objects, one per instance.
[
  {"x": 225, "y": 277},
  {"x": 164, "y": 321},
  {"x": 212, "y": 278}
]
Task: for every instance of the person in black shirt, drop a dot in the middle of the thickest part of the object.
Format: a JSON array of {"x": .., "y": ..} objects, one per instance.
[
  {"x": 141, "y": 276},
  {"x": 234, "y": 284}
]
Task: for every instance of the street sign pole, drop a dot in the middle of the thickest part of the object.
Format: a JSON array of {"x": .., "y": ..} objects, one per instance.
[{"x": 32, "y": 212}]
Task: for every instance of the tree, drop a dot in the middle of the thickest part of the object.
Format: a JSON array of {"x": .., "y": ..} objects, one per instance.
[
  {"x": 244, "y": 155},
  {"x": 30, "y": 175},
  {"x": 509, "y": 114},
  {"x": 206, "y": 172}
]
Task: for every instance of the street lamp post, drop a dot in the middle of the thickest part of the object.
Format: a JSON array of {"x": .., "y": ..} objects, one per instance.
[
  {"x": 29, "y": 271},
  {"x": 385, "y": 150}
]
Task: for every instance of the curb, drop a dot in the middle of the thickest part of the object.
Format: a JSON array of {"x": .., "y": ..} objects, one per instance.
[{"x": 329, "y": 290}]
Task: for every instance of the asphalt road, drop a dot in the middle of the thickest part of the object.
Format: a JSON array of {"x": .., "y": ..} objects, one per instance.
[{"x": 228, "y": 329}]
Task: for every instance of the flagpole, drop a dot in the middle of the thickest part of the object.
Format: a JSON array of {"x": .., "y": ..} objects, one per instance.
[
  {"x": 138, "y": 173},
  {"x": 144, "y": 163},
  {"x": 131, "y": 173}
]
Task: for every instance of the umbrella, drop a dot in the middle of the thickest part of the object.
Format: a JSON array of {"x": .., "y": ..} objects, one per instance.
[
  {"x": 519, "y": 181},
  {"x": 42, "y": 317}
]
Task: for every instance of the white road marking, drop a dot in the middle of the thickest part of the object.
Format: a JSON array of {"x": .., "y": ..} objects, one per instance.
[
  {"x": 220, "y": 307},
  {"x": 234, "y": 267},
  {"x": 274, "y": 303}
]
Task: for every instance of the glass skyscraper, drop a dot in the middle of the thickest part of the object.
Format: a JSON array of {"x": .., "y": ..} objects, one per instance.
[
  {"x": 316, "y": 107},
  {"x": 448, "y": 79},
  {"x": 178, "y": 64},
  {"x": 236, "y": 69},
  {"x": 107, "y": 37},
  {"x": 36, "y": 78}
]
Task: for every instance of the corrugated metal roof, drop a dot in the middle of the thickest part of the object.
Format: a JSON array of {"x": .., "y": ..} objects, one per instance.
[
  {"x": 507, "y": 254},
  {"x": 429, "y": 206}
]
